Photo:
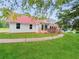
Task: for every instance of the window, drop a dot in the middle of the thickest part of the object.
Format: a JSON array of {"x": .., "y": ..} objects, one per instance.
[
  {"x": 42, "y": 27},
  {"x": 45, "y": 27},
  {"x": 18, "y": 26},
  {"x": 30, "y": 26}
]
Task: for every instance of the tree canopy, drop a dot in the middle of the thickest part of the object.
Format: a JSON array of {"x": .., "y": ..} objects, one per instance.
[
  {"x": 40, "y": 7},
  {"x": 71, "y": 15}
]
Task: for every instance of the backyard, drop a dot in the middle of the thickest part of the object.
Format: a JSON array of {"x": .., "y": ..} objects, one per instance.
[{"x": 62, "y": 48}]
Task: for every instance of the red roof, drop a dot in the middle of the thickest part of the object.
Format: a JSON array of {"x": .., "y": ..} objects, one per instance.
[{"x": 26, "y": 19}]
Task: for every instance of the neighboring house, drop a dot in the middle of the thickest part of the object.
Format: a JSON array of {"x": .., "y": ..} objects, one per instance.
[{"x": 28, "y": 24}]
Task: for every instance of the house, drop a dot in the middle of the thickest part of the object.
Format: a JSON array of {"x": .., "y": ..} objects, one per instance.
[
  {"x": 54, "y": 28},
  {"x": 28, "y": 24}
]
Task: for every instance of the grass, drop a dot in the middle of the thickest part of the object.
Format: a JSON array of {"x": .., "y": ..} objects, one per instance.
[
  {"x": 62, "y": 48},
  {"x": 3, "y": 29},
  {"x": 22, "y": 35}
]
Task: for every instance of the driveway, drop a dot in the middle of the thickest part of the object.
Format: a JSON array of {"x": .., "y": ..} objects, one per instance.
[{"x": 30, "y": 39}]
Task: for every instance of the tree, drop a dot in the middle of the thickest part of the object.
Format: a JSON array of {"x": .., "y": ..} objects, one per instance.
[
  {"x": 5, "y": 12},
  {"x": 3, "y": 24},
  {"x": 69, "y": 15},
  {"x": 8, "y": 14},
  {"x": 40, "y": 7},
  {"x": 76, "y": 24}
]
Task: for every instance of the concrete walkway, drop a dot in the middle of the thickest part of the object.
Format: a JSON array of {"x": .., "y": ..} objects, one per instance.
[{"x": 30, "y": 39}]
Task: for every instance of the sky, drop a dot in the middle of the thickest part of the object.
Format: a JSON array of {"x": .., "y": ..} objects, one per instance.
[{"x": 18, "y": 9}]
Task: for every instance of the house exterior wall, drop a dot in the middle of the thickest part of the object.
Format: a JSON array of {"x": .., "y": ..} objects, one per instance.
[{"x": 24, "y": 28}]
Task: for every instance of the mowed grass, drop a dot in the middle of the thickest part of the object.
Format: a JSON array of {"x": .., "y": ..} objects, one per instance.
[
  {"x": 22, "y": 35},
  {"x": 3, "y": 29},
  {"x": 62, "y": 48}
]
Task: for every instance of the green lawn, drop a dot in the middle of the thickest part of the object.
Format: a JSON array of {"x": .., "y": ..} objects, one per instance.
[
  {"x": 22, "y": 35},
  {"x": 63, "y": 48},
  {"x": 4, "y": 29}
]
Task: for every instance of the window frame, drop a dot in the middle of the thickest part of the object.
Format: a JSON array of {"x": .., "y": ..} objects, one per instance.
[
  {"x": 42, "y": 27},
  {"x": 46, "y": 26},
  {"x": 31, "y": 26},
  {"x": 18, "y": 25}
]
